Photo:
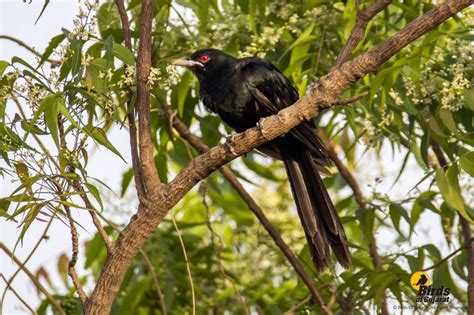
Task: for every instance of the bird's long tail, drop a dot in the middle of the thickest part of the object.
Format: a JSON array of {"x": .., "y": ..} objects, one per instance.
[{"x": 318, "y": 216}]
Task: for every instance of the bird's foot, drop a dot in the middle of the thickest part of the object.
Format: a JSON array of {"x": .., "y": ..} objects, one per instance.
[
  {"x": 305, "y": 117},
  {"x": 261, "y": 129},
  {"x": 229, "y": 141}
]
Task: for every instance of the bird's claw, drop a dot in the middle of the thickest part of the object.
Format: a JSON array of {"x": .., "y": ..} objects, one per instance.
[
  {"x": 260, "y": 127},
  {"x": 229, "y": 140},
  {"x": 305, "y": 117}
]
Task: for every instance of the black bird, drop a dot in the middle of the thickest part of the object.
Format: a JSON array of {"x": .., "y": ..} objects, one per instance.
[{"x": 241, "y": 92}]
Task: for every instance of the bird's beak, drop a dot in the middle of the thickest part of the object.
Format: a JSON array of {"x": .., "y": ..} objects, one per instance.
[{"x": 187, "y": 63}]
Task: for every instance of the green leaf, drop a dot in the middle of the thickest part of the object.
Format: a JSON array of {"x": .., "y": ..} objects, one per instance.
[
  {"x": 22, "y": 171},
  {"x": 99, "y": 135},
  {"x": 51, "y": 110},
  {"x": 3, "y": 65},
  {"x": 126, "y": 179},
  {"x": 182, "y": 90},
  {"x": 53, "y": 43},
  {"x": 396, "y": 212},
  {"x": 95, "y": 192},
  {"x": 123, "y": 53},
  {"x": 30, "y": 217},
  {"x": 449, "y": 187},
  {"x": 46, "y": 2},
  {"x": 469, "y": 99},
  {"x": 467, "y": 163},
  {"x": 252, "y": 11}
]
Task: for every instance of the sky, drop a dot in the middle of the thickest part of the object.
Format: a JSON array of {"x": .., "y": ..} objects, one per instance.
[{"x": 17, "y": 20}]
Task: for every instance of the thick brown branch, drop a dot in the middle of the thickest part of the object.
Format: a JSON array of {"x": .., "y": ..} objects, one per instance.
[
  {"x": 54, "y": 63},
  {"x": 359, "y": 197},
  {"x": 325, "y": 93},
  {"x": 197, "y": 143},
  {"x": 358, "y": 32},
  {"x": 33, "y": 278},
  {"x": 147, "y": 163}
]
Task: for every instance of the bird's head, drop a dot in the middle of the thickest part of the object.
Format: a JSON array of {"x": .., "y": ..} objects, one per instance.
[{"x": 206, "y": 62}]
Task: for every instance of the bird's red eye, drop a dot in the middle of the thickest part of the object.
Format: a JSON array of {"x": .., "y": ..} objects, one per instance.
[{"x": 204, "y": 58}]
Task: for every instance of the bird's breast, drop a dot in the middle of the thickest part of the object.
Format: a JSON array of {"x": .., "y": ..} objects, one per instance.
[{"x": 232, "y": 102}]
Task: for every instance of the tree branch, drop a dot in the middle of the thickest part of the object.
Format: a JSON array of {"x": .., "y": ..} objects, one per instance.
[
  {"x": 72, "y": 263},
  {"x": 359, "y": 197},
  {"x": 54, "y": 63},
  {"x": 445, "y": 259},
  {"x": 138, "y": 178},
  {"x": 358, "y": 32},
  {"x": 32, "y": 277},
  {"x": 326, "y": 92},
  {"x": 17, "y": 295},
  {"x": 197, "y": 143},
  {"x": 147, "y": 163}
]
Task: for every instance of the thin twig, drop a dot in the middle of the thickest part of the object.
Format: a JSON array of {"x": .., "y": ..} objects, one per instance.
[
  {"x": 445, "y": 259},
  {"x": 18, "y": 296},
  {"x": 296, "y": 307},
  {"x": 352, "y": 99},
  {"x": 92, "y": 211},
  {"x": 72, "y": 262},
  {"x": 218, "y": 249},
  {"x": 33, "y": 278},
  {"x": 197, "y": 143},
  {"x": 188, "y": 268},
  {"x": 138, "y": 178},
  {"x": 358, "y": 32},
  {"x": 40, "y": 240},
  {"x": 155, "y": 281},
  {"x": 54, "y": 63}
]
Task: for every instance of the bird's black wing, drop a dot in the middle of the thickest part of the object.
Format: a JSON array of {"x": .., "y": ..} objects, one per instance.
[
  {"x": 303, "y": 153},
  {"x": 273, "y": 92}
]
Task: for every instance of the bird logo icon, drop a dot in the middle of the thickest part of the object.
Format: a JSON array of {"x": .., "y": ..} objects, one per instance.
[{"x": 418, "y": 279}]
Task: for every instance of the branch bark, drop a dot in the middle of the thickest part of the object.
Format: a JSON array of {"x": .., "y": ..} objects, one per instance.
[
  {"x": 358, "y": 32},
  {"x": 152, "y": 211},
  {"x": 139, "y": 185},
  {"x": 147, "y": 162}
]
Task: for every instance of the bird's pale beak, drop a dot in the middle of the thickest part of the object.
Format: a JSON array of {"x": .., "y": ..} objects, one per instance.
[{"x": 187, "y": 63}]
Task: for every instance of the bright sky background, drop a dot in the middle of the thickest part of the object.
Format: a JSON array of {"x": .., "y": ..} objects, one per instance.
[{"x": 17, "y": 20}]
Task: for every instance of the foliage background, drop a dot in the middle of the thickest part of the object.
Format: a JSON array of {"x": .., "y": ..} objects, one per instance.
[{"x": 423, "y": 94}]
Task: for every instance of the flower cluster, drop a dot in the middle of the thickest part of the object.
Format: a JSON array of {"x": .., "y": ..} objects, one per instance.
[
  {"x": 265, "y": 42},
  {"x": 84, "y": 25},
  {"x": 444, "y": 79},
  {"x": 127, "y": 79},
  {"x": 153, "y": 76},
  {"x": 172, "y": 76}
]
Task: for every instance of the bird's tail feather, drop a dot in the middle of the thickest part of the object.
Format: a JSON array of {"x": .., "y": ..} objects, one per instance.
[{"x": 318, "y": 216}]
